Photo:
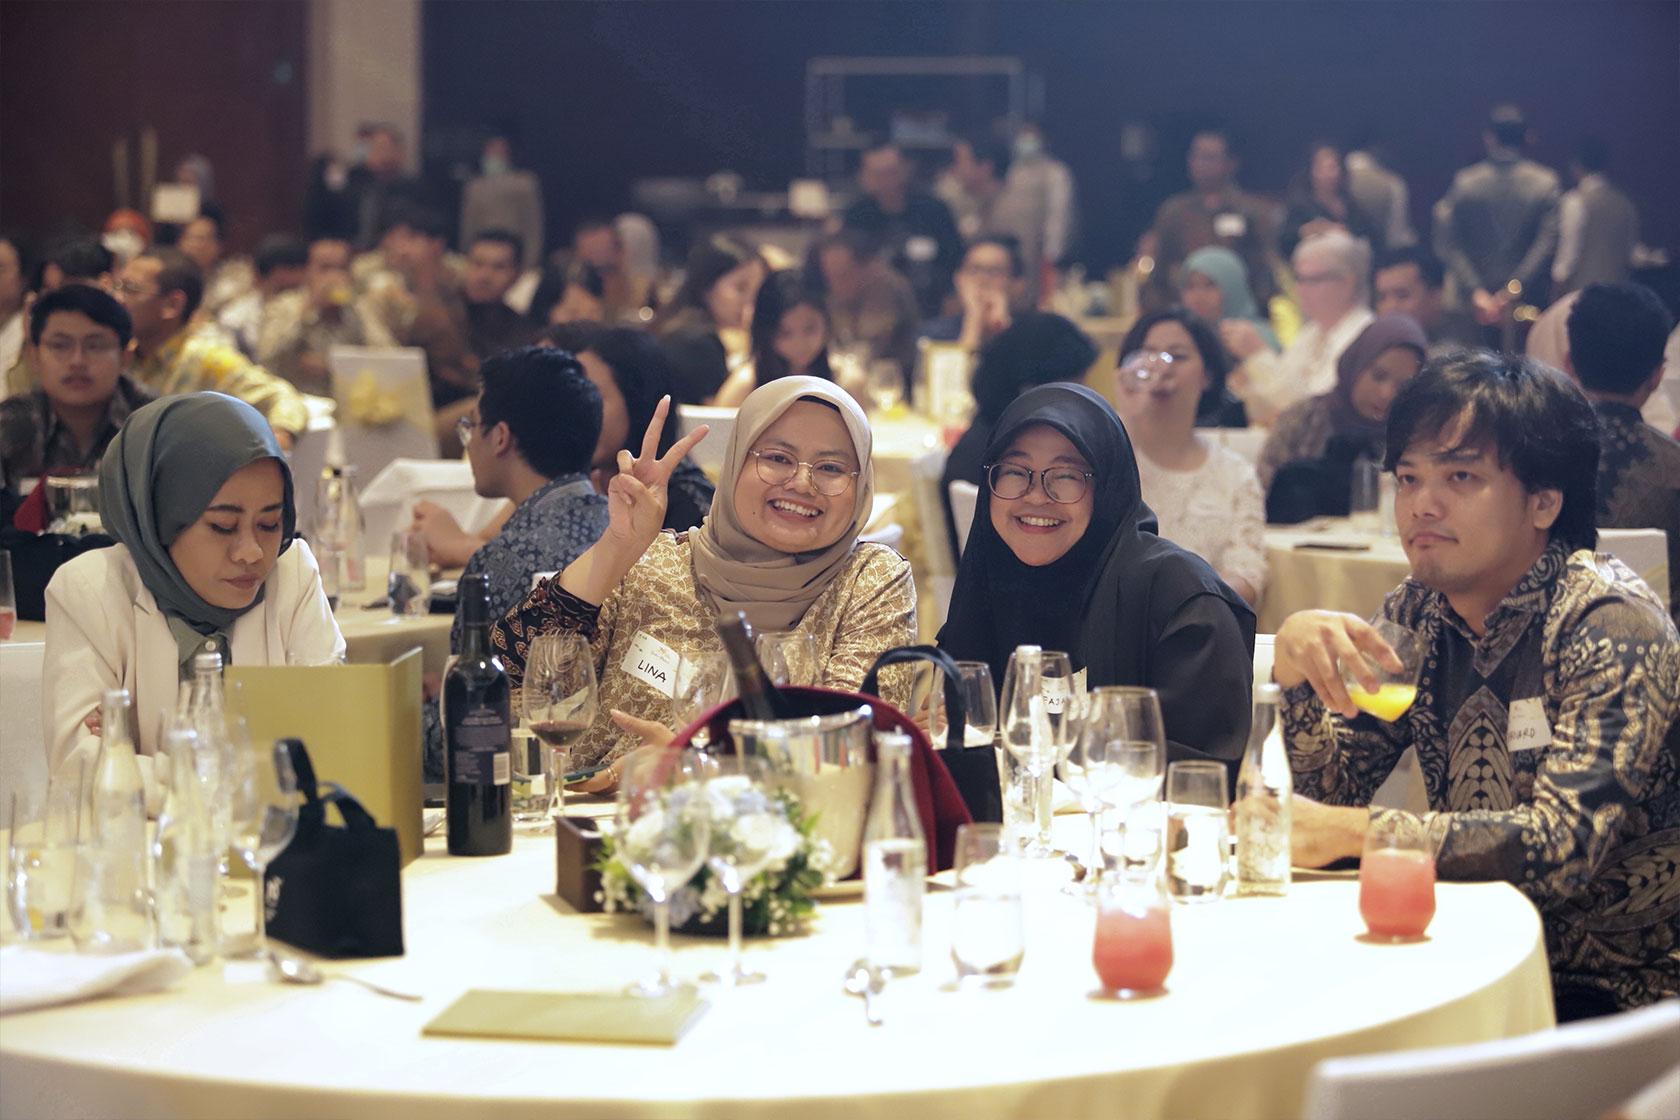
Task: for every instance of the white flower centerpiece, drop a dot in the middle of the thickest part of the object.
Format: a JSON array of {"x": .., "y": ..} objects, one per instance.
[{"x": 761, "y": 827}]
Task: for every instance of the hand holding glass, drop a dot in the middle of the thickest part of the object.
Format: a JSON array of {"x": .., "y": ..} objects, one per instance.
[{"x": 1395, "y": 690}]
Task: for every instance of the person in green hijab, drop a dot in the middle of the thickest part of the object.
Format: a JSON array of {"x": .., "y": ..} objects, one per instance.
[
  {"x": 199, "y": 498},
  {"x": 1214, "y": 284}
]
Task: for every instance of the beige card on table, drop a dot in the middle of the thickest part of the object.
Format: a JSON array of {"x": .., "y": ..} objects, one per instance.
[{"x": 610, "y": 1017}]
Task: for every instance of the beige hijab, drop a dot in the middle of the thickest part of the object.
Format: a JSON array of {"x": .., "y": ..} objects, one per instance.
[{"x": 737, "y": 572}]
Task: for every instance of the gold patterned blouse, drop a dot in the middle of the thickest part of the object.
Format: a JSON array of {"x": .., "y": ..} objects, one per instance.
[
  {"x": 1551, "y": 755},
  {"x": 869, "y": 608}
]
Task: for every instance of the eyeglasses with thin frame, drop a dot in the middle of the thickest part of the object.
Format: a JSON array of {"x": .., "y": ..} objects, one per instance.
[
  {"x": 130, "y": 288},
  {"x": 464, "y": 429},
  {"x": 94, "y": 346},
  {"x": 1063, "y": 485},
  {"x": 829, "y": 477}
]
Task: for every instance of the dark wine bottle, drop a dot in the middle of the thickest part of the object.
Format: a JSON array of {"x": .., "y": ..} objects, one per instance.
[
  {"x": 759, "y": 696},
  {"x": 476, "y": 745}
]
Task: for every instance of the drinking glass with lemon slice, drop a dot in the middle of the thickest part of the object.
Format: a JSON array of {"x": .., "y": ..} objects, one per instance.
[{"x": 1395, "y": 690}]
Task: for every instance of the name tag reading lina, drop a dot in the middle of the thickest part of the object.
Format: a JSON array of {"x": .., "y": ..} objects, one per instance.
[
  {"x": 1526, "y": 728},
  {"x": 652, "y": 662}
]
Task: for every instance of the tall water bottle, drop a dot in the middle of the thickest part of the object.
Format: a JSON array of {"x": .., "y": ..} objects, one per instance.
[
  {"x": 340, "y": 528},
  {"x": 113, "y": 908},
  {"x": 894, "y": 862},
  {"x": 1264, "y": 789},
  {"x": 203, "y": 710},
  {"x": 184, "y": 856}
]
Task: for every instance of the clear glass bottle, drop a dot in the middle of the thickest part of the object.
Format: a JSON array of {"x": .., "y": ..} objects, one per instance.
[
  {"x": 340, "y": 527},
  {"x": 113, "y": 912},
  {"x": 894, "y": 862},
  {"x": 1264, "y": 789},
  {"x": 184, "y": 856},
  {"x": 202, "y": 708}
]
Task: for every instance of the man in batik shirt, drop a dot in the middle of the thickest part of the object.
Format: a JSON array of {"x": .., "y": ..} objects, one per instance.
[
  {"x": 1545, "y": 713},
  {"x": 530, "y": 437}
]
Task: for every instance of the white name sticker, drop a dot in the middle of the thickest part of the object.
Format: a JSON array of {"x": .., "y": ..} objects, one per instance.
[
  {"x": 1526, "y": 728},
  {"x": 652, "y": 662},
  {"x": 1229, "y": 225}
]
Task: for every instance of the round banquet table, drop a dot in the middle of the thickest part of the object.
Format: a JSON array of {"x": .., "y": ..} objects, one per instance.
[
  {"x": 1326, "y": 564},
  {"x": 1261, "y": 990}
]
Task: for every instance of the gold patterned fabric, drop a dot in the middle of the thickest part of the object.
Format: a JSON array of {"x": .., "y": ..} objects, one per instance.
[
  {"x": 867, "y": 609},
  {"x": 1587, "y": 825},
  {"x": 200, "y": 358}
]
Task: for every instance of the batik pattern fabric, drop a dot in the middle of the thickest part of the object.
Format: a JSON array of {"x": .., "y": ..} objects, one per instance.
[
  {"x": 1580, "y": 810},
  {"x": 200, "y": 358}
]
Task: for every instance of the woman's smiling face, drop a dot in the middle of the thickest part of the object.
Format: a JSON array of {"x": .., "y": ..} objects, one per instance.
[
  {"x": 1037, "y": 529},
  {"x": 794, "y": 516}
]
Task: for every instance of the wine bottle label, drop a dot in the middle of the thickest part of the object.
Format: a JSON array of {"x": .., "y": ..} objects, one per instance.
[
  {"x": 478, "y": 743},
  {"x": 652, "y": 662}
]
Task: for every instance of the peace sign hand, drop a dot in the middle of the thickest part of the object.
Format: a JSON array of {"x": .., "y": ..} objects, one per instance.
[{"x": 636, "y": 497}]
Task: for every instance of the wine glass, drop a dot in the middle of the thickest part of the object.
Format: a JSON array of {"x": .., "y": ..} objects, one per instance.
[
  {"x": 789, "y": 657},
  {"x": 1395, "y": 691},
  {"x": 1118, "y": 749},
  {"x": 663, "y": 832},
  {"x": 1040, "y": 710},
  {"x": 885, "y": 383},
  {"x": 264, "y": 811},
  {"x": 560, "y": 702},
  {"x": 979, "y": 697},
  {"x": 703, "y": 681},
  {"x": 749, "y": 830}
]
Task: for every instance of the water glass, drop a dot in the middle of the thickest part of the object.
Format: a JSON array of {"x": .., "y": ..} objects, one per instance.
[
  {"x": 979, "y": 696},
  {"x": 987, "y": 938},
  {"x": 1396, "y": 877},
  {"x": 1026, "y": 798},
  {"x": 789, "y": 657},
  {"x": 1365, "y": 496},
  {"x": 409, "y": 583},
  {"x": 1116, "y": 759},
  {"x": 41, "y": 856},
  {"x": 1198, "y": 832},
  {"x": 8, "y": 601},
  {"x": 1132, "y": 950},
  {"x": 1395, "y": 690}
]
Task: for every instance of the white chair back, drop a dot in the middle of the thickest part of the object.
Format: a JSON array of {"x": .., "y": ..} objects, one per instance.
[
  {"x": 1643, "y": 550},
  {"x": 23, "y": 744},
  {"x": 709, "y": 455},
  {"x": 1580, "y": 1070},
  {"x": 1246, "y": 442},
  {"x": 965, "y": 498},
  {"x": 386, "y": 502},
  {"x": 388, "y": 382}
]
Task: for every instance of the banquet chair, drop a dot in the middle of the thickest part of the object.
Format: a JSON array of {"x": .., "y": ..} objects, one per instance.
[
  {"x": 23, "y": 749},
  {"x": 1643, "y": 550},
  {"x": 965, "y": 497},
  {"x": 388, "y": 383},
  {"x": 1575, "y": 1072},
  {"x": 709, "y": 453}
]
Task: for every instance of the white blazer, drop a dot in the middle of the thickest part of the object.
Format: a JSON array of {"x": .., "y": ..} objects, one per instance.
[{"x": 105, "y": 631}]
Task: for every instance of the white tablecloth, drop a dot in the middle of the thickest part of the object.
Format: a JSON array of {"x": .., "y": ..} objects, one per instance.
[
  {"x": 1305, "y": 571},
  {"x": 1261, "y": 990}
]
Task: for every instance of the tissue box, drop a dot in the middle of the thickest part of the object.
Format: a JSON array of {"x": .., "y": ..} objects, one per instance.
[{"x": 577, "y": 845}]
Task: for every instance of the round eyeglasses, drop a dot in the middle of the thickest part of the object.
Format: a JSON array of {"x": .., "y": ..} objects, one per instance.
[
  {"x": 1063, "y": 485},
  {"x": 829, "y": 477}
]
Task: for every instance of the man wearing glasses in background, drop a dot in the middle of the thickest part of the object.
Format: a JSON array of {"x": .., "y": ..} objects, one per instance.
[{"x": 990, "y": 291}]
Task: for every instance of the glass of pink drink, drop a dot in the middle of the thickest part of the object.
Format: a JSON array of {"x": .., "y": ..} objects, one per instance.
[
  {"x": 1396, "y": 878},
  {"x": 1133, "y": 950}
]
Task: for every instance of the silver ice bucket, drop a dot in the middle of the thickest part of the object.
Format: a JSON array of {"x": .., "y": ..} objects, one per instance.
[{"x": 825, "y": 761}]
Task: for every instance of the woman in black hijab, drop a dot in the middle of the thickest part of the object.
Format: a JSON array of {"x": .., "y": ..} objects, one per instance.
[{"x": 1073, "y": 563}]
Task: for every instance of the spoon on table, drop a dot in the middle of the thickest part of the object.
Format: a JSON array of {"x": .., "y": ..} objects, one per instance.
[
  {"x": 295, "y": 970},
  {"x": 864, "y": 979}
]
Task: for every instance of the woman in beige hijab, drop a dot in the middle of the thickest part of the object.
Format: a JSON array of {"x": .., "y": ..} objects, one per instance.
[{"x": 780, "y": 544}]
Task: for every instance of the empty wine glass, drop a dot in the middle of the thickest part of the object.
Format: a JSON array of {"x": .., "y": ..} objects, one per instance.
[
  {"x": 979, "y": 696},
  {"x": 663, "y": 832},
  {"x": 1041, "y": 709},
  {"x": 703, "y": 681},
  {"x": 788, "y": 657},
  {"x": 750, "y": 829},
  {"x": 264, "y": 811},
  {"x": 560, "y": 702},
  {"x": 1115, "y": 760}
]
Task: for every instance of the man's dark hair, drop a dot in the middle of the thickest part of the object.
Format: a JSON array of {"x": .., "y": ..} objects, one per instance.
[
  {"x": 1009, "y": 243},
  {"x": 502, "y": 237},
  {"x": 989, "y": 149},
  {"x": 552, "y": 409},
  {"x": 1592, "y": 153},
  {"x": 1429, "y": 266},
  {"x": 1541, "y": 426},
  {"x": 79, "y": 257},
  {"x": 99, "y": 305},
  {"x": 279, "y": 250},
  {"x": 584, "y": 275},
  {"x": 427, "y": 221},
  {"x": 591, "y": 224},
  {"x": 180, "y": 273},
  {"x": 1215, "y": 361},
  {"x": 1035, "y": 349},
  {"x": 1616, "y": 337},
  {"x": 212, "y": 212},
  {"x": 1508, "y": 126}
]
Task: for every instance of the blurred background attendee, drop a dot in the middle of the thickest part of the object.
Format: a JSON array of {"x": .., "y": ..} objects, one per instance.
[
  {"x": 626, "y": 284},
  {"x": 716, "y": 296},
  {"x": 1332, "y": 274},
  {"x": 493, "y": 258},
  {"x": 17, "y": 266},
  {"x": 1498, "y": 224},
  {"x": 570, "y": 293},
  {"x": 78, "y": 259},
  {"x": 126, "y": 233},
  {"x": 1039, "y": 207},
  {"x": 281, "y": 264},
  {"x": 1380, "y": 193},
  {"x": 990, "y": 289},
  {"x": 503, "y": 197},
  {"x": 1306, "y": 465},
  {"x": 196, "y": 171},
  {"x": 1205, "y": 496},
  {"x": 330, "y": 203},
  {"x": 1214, "y": 211},
  {"x": 380, "y": 181},
  {"x": 1598, "y": 226},
  {"x": 971, "y": 186},
  {"x": 914, "y": 228},
  {"x": 1616, "y": 337},
  {"x": 789, "y": 337},
  {"x": 870, "y": 306},
  {"x": 1319, "y": 201},
  {"x": 225, "y": 278},
  {"x": 1411, "y": 281},
  {"x": 301, "y": 326},
  {"x": 1214, "y": 284}
]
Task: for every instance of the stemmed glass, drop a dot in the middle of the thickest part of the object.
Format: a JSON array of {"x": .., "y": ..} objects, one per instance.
[
  {"x": 703, "y": 681},
  {"x": 1115, "y": 760},
  {"x": 788, "y": 657},
  {"x": 663, "y": 830},
  {"x": 1041, "y": 709},
  {"x": 560, "y": 703},
  {"x": 979, "y": 697},
  {"x": 749, "y": 830},
  {"x": 264, "y": 810}
]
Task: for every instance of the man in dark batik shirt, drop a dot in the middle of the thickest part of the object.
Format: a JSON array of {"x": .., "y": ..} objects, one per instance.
[
  {"x": 1617, "y": 333},
  {"x": 529, "y": 437},
  {"x": 1545, "y": 714}
]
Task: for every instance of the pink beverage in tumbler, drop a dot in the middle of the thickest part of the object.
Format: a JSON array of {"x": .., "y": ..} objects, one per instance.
[
  {"x": 1133, "y": 951},
  {"x": 1396, "y": 893},
  {"x": 8, "y": 617}
]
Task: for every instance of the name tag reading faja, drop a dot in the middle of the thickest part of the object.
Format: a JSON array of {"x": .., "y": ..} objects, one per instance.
[
  {"x": 652, "y": 662},
  {"x": 1526, "y": 728}
]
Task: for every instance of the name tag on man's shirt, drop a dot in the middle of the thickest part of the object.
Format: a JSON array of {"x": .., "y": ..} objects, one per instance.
[
  {"x": 1526, "y": 728},
  {"x": 1229, "y": 224},
  {"x": 652, "y": 662}
]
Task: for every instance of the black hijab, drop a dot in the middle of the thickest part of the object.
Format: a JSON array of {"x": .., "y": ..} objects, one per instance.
[{"x": 1128, "y": 606}]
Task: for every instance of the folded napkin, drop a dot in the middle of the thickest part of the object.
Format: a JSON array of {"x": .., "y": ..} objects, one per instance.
[{"x": 38, "y": 978}]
